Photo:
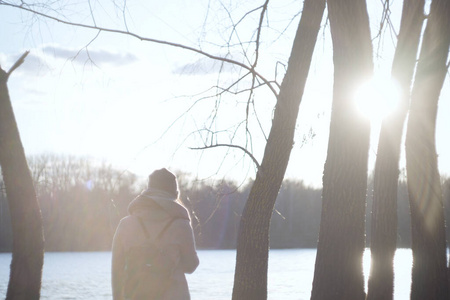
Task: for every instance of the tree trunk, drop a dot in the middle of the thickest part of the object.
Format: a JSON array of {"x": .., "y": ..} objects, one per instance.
[
  {"x": 429, "y": 276},
  {"x": 338, "y": 270},
  {"x": 28, "y": 239},
  {"x": 250, "y": 281},
  {"x": 384, "y": 209}
]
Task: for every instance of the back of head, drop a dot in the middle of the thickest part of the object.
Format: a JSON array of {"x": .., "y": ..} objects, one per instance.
[{"x": 165, "y": 181}]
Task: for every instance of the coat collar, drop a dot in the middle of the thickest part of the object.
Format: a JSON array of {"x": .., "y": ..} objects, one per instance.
[{"x": 152, "y": 199}]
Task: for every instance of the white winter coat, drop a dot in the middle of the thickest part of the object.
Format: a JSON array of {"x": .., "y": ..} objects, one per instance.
[{"x": 156, "y": 212}]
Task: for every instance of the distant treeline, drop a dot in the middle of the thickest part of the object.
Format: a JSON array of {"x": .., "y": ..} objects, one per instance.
[{"x": 83, "y": 201}]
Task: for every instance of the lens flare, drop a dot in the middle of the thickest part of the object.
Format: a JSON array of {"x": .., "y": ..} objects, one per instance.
[{"x": 377, "y": 98}]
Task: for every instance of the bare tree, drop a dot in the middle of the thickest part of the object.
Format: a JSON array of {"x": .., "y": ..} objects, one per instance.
[
  {"x": 250, "y": 281},
  {"x": 384, "y": 208},
  {"x": 429, "y": 273},
  {"x": 338, "y": 269},
  {"x": 28, "y": 242}
]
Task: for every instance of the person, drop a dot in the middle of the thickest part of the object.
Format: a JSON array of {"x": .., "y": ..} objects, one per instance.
[{"x": 160, "y": 210}]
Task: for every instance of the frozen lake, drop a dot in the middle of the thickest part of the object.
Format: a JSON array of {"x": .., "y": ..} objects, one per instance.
[{"x": 86, "y": 275}]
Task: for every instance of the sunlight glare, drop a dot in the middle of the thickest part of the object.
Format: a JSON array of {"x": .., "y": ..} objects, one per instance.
[{"x": 377, "y": 98}]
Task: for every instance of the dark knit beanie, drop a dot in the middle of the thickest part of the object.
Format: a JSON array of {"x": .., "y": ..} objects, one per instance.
[{"x": 163, "y": 180}]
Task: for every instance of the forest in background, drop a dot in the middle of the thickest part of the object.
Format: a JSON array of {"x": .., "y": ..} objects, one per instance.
[{"x": 83, "y": 201}]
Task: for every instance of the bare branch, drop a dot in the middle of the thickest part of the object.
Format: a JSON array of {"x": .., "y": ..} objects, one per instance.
[
  {"x": 255, "y": 161},
  {"x": 259, "y": 122},
  {"x": 18, "y": 63},
  {"x": 258, "y": 35},
  {"x": 235, "y": 32},
  {"x": 248, "y": 13},
  {"x": 255, "y": 62},
  {"x": 282, "y": 32},
  {"x": 385, "y": 20},
  {"x": 92, "y": 13},
  {"x": 228, "y": 89},
  {"x": 124, "y": 14},
  {"x": 87, "y": 50},
  {"x": 162, "y": 42},
  {"x": 279, "y": 63}
]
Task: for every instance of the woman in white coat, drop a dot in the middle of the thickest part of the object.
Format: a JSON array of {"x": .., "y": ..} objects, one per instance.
[{"x": 159, "y": 210}]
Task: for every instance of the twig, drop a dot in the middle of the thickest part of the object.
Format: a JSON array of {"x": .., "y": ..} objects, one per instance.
[
  {"x": 255, "y": 161},
  {"x": 261, "y": 19}
]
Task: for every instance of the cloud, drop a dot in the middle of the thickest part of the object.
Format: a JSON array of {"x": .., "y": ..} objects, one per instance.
[
  {"x": 204, "y": 66},
  {"x": 83, "y": 55},
  {"x": 34, "y": 63}
]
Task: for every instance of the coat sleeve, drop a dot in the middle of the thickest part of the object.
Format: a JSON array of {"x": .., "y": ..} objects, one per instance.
[
  {"x": 118, "y": 266},
  {"x": 189, "y": 258}
]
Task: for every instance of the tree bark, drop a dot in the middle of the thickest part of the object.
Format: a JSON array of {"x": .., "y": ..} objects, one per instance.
[
  {"x": 28, "y": 238},
  {"x": 338, "y": 269},
  {"x": 384, "y": 210},
  {"x": 429, "y": 272},
  {"x": 250, "y": 281}
]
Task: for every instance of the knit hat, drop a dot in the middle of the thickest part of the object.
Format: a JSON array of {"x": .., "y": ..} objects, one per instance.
[{"x": 165, "y": 181}]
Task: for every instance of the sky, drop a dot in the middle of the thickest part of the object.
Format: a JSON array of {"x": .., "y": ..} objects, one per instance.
[{"x": 141, "y": 106}]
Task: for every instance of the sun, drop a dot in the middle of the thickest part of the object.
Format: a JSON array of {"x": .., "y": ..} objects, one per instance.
[{"x": 377, "y": 98}]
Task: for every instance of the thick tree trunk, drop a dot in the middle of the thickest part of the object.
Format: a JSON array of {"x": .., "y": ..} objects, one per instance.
[
  {"x": 429, "y": 273},
  {"x": 28, "y": 239},
  {"x": 338, "y": 270},
  {"x": 384, "y": 209},
  {"x": 250, "y": 281}
]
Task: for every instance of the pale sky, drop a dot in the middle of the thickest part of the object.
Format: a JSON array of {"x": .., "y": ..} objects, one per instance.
[{"x": 141, "y": 105}]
